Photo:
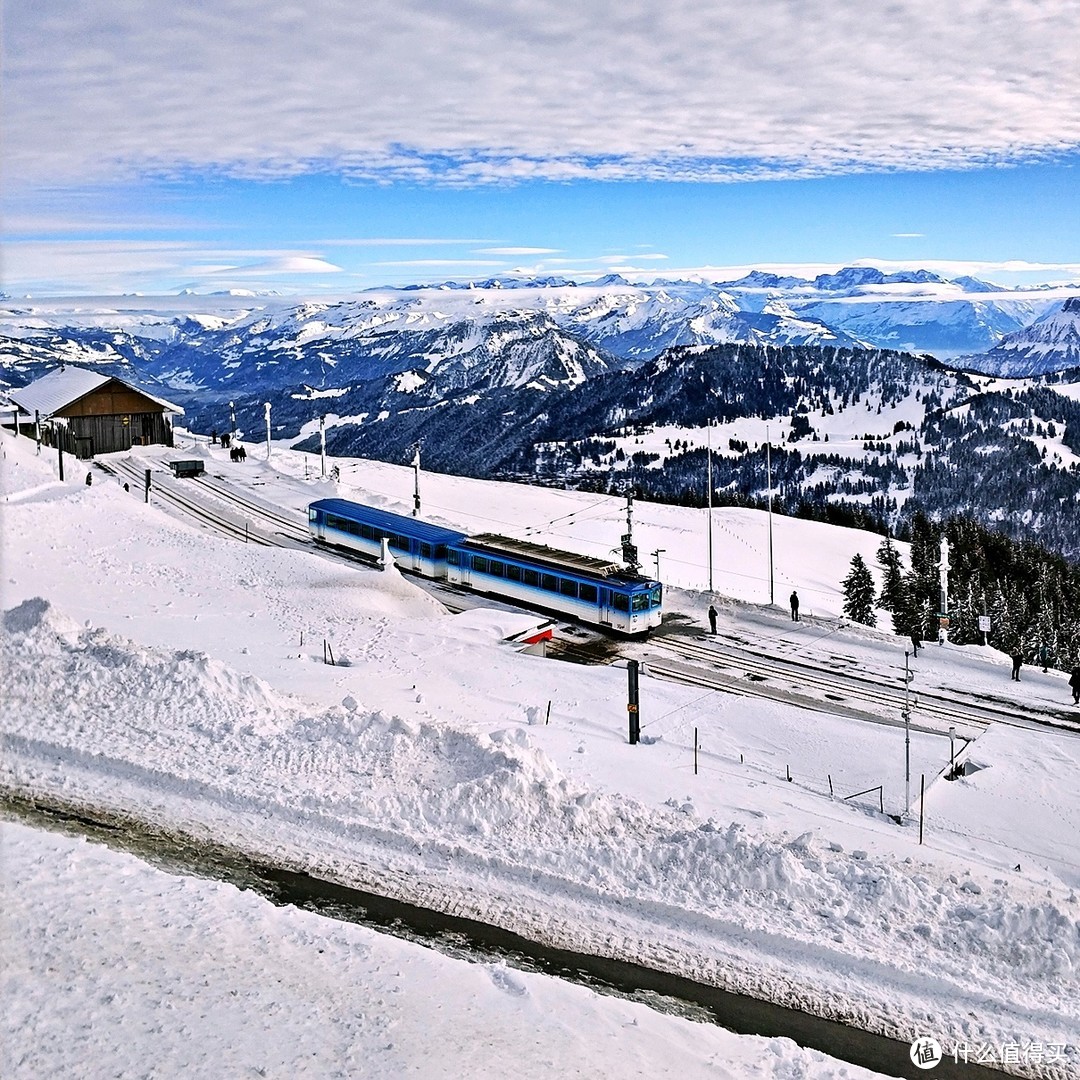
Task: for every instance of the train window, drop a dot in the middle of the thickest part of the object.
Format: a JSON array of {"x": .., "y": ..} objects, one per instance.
[
  {"x": 513, "y": 573},
  {"x": 549, "y": 582},
  {"x": 440, "y": 551},
  {"x": 398, "y": 541},
  {"x": 425, "y": 550},
  {"x": 333, "y": 521},
  {"x": 453, "y": 557},
  {"x": 620, "y": 601},
  {"x": 354, "y": 529},
  {"x": 640, "y": 601},
  {"x": 480, "y": 563},
  {"x": 568, "y": 588},
  {"x": 497, "y": 569},
  {"x": 368, "y": 532},
  {"x": 654, "y": 597},
  {"x": 530, "y": 577},
  {"x": 587, "y": 593}
]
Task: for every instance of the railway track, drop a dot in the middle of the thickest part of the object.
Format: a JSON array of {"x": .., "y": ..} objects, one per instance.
[
  {"x": 165, "y": 489},
  {"x": 727, "y": 667},
  {"x": 722, "y": 664}
]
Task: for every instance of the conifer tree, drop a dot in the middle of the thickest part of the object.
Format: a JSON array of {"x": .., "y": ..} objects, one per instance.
[
  {"x": 892, "y": 586},
  {"x": 859, "y": 593}
]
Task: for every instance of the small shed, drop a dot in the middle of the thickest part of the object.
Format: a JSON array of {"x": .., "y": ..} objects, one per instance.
[{"x": 90, "y": 413}]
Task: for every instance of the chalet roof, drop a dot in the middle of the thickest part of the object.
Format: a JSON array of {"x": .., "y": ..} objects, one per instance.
[{"x": 66, "y": 385}]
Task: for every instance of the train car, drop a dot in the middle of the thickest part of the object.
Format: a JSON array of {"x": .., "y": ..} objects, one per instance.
[
  {"x": 586, "y": 589},
  {"x": 414, "y": 544}
]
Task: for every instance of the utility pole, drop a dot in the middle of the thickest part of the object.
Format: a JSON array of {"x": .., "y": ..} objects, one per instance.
[
  {"x": 629, "y": 548},
  {"x": 59, "y": 450},
  {"x": 322, "y": 445},
  {"x": 908, "y": 676},
  {"x": 416, "y": 482},
  {"x": 632, "y": 702},
  {"x": 708, "y": 484},
  {"x": 656, "y": 555},
  {"x": 266, "y": 406},
  {"x": 37, "y": 430},
  {"x": 943, "y": 572},
  {"x": 232, "y": 421},
  {"x": 768, "y": 481}
]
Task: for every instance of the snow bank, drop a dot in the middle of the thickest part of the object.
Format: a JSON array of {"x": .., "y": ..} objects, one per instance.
[
  {"x": 487, "y": 822},
  {"x": 112, "y": 968}
]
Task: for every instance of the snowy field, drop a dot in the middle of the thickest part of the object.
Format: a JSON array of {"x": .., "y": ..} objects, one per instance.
[{"x": 153, "y": 669}]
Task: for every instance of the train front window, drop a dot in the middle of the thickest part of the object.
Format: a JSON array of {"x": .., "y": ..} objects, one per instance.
[
  {"x": 640, "y": 601},
  {"x": 312, "y": 514}
]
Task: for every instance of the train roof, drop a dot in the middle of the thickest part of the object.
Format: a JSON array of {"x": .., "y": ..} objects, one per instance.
[
  {"x": 391, "y": 523},
  {"x": 553, "y": 557}
]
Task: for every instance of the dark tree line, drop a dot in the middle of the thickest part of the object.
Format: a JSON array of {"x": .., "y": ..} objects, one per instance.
[{"x": 1031, "y": 596}]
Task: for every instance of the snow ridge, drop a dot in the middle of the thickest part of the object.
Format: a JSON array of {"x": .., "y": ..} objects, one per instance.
[{"x": 456, "y": 807}]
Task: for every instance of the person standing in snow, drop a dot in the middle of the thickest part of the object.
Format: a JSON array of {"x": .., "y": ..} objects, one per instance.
[
  {"x": 916, "y": 642},
  {"x": 1074, "y": 682},
  {"x": 794, "y": 599},
  {"x": 712, "y": 619},
  {"x": 1017, "y": 660}
]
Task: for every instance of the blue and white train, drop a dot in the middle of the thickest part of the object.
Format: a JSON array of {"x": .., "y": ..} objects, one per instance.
[{"x": 577, "y": 586}]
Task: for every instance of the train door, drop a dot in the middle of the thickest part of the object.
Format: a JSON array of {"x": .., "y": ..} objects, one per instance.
[{"x": 604, "y": 607}]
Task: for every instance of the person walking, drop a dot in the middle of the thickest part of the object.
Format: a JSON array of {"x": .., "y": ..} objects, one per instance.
[
  {"x": 916, "y": 642},
  {"x": 1074, "y": 682},
  {"x": 794, "y": 600},
  {"x": 1044, "y": 657},
  {"x": 1017, "y": 660},
  {"x": 712, "y": 619}
]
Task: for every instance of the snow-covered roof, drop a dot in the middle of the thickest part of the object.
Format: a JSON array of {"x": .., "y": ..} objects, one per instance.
[{"x": 65, "y": 385}]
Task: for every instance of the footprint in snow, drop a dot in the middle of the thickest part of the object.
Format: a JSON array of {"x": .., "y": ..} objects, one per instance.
[{"x": 508, "y": 981}]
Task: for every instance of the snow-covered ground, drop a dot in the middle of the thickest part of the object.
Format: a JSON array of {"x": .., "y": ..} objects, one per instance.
[{"x": 153, "y": 669}]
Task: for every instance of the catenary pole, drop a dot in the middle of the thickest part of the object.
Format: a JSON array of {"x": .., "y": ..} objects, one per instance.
[
  {"x": 709, "y": 485},
  {"x": 768, "y": 481},
  {"x": 322, "y": 445},
  {"x": 416, "y": 482}
]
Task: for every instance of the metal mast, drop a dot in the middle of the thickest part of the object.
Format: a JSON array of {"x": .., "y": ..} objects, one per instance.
[
  {"x": 709, "y": 486},
  {"x": 629, "y": 549},
  {"x": 768, "y": 480},
  {"x": 416, "y": 482}
]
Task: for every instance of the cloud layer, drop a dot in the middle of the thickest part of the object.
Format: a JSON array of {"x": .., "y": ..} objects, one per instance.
[{"x": 476, "y": 91}]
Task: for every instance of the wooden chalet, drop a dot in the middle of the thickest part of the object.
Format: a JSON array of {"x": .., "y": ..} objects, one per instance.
[{"x": 88, "y": 413}]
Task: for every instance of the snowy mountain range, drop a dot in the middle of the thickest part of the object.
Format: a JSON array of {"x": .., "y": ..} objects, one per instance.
[
  {"x": 1052, "y": 342},
  {"x": 214, "y": 344},
  {"x": 546, "y": 378}
]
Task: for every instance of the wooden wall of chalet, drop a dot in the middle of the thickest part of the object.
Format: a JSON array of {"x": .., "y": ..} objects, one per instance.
[
  {"x": 107, "y": 434},
  {"x": 115, "y": 417},
  {"x": 112, "y": 399}
]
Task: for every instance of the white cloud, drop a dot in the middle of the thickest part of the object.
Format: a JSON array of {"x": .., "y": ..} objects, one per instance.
[
  {"x": 59, "y": 267},
  {"x": 517, "y": 251},
  {"x": 478, "y": 91},
  {"x": 281, "y": 266}
]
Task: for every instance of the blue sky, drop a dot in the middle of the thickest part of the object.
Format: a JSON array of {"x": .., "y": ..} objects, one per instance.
[{"x": 335, "y": 147}]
